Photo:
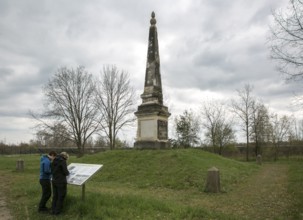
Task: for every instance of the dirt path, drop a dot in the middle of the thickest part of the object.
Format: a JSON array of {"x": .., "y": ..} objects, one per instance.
[
  {"x": 4, "y": 211},
  {"x": 263, "y": 196}
]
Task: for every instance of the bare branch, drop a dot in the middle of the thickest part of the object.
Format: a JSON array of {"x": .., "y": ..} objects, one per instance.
[{"x": 286, "y": 41}]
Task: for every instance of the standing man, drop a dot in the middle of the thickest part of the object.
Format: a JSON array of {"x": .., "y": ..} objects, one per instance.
[
  {"x": 45, "y": 179},
  {"x": 60, "y": 172}
]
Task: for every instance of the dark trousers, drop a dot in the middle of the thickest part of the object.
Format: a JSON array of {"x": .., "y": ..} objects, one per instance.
[
  {"x": 46, "y": 193},
  {"x": 59, "y": 193}
]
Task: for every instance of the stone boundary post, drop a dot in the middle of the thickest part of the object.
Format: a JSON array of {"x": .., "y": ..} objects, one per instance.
[
  {"x": 20, "y": 165},
  {"x": 213, "y": 180}
]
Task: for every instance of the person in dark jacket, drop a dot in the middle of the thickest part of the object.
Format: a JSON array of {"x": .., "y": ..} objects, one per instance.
[
  {"x": 45, "y": 179},
  {"x": 60, "y": 172}
]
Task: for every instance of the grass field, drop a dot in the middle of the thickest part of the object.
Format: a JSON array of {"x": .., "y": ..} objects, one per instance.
[{"x": 163, "y": 184}]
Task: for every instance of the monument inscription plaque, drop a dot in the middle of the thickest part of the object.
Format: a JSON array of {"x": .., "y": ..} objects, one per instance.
[{"x": 162, "y": 130}]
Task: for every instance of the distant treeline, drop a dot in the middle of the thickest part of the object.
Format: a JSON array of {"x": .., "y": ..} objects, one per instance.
[{"x": 268, "y": 152}]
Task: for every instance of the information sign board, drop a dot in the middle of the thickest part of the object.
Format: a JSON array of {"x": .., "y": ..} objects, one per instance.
[{"x": 79, "y": 173}]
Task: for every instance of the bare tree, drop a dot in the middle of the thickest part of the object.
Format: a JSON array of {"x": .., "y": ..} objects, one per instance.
[
  {"x": 243, "y": 109},
  {"x": 259, "y": 125},
  {"x": 54, "y": 135},
  {"x": 218, "y": 126},
  {"x": 115, "y": 101},
  {"x": 286, "y": 41},
  {"x": 70, "y": 104},
  {"x": 280, "y": 128},
  {"x": 225, "y": 133},
  {"x": 211, "y": 115}
]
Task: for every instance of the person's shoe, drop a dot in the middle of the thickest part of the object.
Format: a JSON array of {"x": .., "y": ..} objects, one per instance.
[
  {"x": 55, "y": 213},
  {"x": 43, "y": 209}
]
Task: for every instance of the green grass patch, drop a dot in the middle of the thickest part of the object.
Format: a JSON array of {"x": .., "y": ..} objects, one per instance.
[
  {"x": 295, "y": 186},
  {"x": 132, "y": 184}
]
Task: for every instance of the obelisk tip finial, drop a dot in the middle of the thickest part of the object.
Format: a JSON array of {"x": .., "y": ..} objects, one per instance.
[
  {"x": 153, "y": 21},
  {"x": 153, "y": 14}
]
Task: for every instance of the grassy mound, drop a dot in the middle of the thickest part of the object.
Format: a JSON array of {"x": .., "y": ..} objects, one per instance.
[{"x": 174, "y": 169}]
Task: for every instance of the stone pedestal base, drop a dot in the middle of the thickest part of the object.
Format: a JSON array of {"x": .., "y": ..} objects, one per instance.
[{"x": 152, "y": 145}]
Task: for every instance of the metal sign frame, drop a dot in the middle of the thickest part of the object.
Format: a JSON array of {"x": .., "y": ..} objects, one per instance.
[{"x": 79, "y": 173}]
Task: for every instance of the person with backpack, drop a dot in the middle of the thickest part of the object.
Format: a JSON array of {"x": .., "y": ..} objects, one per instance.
[{"x": 45, "y": 179}]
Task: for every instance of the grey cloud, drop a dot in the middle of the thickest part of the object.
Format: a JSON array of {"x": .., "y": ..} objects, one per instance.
[
  {"x": 5, "y": 73},
  {"x": 207, "y": 45}
]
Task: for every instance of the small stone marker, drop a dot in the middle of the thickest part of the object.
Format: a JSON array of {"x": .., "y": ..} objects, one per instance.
[
  {"x": 213, "y": 180},
  {"x": 259, "y": 159},
  {"x": 20, "y": 165}
]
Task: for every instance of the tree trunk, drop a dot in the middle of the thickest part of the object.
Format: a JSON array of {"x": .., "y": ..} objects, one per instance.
[{"x": 247, "y": 147}]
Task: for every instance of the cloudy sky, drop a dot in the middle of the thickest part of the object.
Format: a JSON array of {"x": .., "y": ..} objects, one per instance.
[{"x": 208, "y": 49}]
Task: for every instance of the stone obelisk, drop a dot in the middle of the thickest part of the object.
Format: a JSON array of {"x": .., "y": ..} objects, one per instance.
[{"x": 152, "y": 115}]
